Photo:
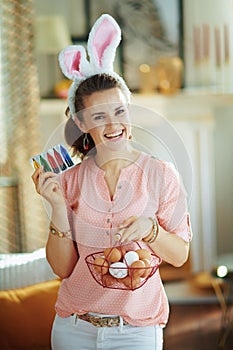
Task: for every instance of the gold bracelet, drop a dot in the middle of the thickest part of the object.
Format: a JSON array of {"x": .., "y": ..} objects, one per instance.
[
  {"x": 55, "y": 232},
  {"x": 155, "y": 232}
]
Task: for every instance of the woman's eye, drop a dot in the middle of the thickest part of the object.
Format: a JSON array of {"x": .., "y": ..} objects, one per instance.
[
  {"x": 99, "y": 117},
  {"x": 120, "y": 111}
]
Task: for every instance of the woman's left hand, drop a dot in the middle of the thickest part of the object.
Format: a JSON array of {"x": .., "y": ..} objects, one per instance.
[{"x": 134, "y": 229}]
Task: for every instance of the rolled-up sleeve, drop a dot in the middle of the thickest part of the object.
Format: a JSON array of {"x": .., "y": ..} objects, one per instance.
[{"x": 173, "y": 213}]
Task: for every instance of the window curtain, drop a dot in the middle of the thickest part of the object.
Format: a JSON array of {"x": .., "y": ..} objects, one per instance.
[{"x": 23, "y": 221}]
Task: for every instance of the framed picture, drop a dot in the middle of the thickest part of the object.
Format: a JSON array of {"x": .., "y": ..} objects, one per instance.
[{"x": 151, "y": 29}]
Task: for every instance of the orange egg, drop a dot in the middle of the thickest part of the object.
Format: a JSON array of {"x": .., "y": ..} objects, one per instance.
[
  {"x": 135, "y": 282},
  {"x": 137, "y": 268},
  {"x": 122, "y": 250},
  {"x": 126, "y": 281},
  {"x": 148, "y": 269},
  {"x": 101, "y": 265},
  {"x": 131, "y": 282},
  {"x": 143, "y": 254},
  {"x": 108, "y": 280},
  {"x": 112, "y": 254}
]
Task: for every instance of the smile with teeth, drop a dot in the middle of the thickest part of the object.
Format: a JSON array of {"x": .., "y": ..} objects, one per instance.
[{"x": 114, "y": 134}]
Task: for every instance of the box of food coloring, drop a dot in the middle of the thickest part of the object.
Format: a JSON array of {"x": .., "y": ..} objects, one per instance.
[{"x": 56, "y": 159}]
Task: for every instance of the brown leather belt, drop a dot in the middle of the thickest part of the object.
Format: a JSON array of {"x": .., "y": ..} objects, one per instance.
[{"x": 102, "y": 321}]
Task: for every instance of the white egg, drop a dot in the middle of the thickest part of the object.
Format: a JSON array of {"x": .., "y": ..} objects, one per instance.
[
  {"x": 130, "y": 257},
  {"x": 118, "y": 270}
]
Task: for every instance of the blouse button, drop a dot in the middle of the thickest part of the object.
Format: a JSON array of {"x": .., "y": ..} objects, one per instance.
[
  {"x": 107, "y": 233},
  {"x": 108, "y": 220}
]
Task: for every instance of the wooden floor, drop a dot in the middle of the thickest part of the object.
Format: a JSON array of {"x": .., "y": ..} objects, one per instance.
[{"x": 196, "y": 327}]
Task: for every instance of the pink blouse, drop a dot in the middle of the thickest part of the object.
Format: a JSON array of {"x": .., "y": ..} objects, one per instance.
[{"x": 148, "y": 187}]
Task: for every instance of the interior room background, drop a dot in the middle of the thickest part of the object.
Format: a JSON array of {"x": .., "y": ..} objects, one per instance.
[{"x": 176, "y": 56}]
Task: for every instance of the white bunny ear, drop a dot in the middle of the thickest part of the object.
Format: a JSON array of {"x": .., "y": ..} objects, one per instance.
[
  {"x": 73, "y": 62},
  {"x": 103, "y": 40}
]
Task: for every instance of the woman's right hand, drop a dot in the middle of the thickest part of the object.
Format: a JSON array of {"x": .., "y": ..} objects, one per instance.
[{"x": 47, "y": 185}]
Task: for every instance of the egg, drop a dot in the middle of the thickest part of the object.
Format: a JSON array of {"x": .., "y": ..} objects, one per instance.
[
  {"x": 130, "y": 257},
  {"x": 108, "y": 280},
  {"x": 122, "y": 250},
  {"x": 118, "y": 270},
  {"x": 148, "y": 269},
  {"x": 101, "y": 265},
  {"x": 143, "y": 254},
  {"x": 127, "y": 281},
  {"x": 136, "y": 282},
  {"x": 112, "y": 254},
  {"x": 131, "y": 282},
  {"x": 137, "y": 268}
]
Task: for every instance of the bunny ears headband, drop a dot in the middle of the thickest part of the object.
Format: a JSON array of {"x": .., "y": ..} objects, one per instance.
[{"x": 103, "y": 40}]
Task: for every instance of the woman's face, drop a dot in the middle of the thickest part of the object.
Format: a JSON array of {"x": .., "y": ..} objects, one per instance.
[{"x": 106, "y": 118}]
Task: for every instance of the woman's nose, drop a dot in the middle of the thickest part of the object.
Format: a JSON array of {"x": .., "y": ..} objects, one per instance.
[{"x": 111, "y": 119}]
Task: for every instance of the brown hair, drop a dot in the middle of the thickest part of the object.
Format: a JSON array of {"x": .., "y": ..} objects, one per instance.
[{"x": 74, "y": 136}]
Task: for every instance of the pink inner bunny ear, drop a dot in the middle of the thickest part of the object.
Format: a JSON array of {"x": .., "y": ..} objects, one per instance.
[
  {"x": 70, "y": 61},
  {"x": 106, "y": 34}
]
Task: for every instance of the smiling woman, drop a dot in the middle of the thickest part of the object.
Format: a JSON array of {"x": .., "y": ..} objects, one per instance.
[{"x": 116, "y": 196}]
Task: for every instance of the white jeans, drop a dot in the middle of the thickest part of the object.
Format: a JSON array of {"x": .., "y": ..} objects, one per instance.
[{"x": 71, "y": 333}]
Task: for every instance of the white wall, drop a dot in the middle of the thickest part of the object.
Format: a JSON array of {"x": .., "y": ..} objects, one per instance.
[
  {"x": 208, "y": 43},
  {"x": 223, "y": 149}
]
